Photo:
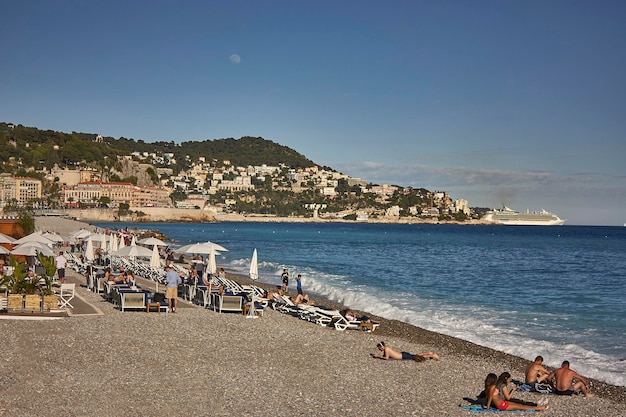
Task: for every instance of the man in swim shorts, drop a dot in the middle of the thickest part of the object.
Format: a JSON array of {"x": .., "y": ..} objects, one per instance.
[
  {"x": 390, "y": 353},
  {"x": 565, "y": 381}
]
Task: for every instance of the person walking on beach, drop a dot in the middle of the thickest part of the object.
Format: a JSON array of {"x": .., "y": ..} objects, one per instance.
[
  {"x": 389, "y": 353},
  {"x": 565, "y": 385},
  {"x": 285, "y": 280},
  {"x": 299, "y": 284},
  {"x": 61, "y": 264},
  {"x": 172, "y": 280}
]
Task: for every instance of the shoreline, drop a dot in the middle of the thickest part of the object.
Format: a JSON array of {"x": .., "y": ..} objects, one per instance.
[{"x": 417, "y": 335}]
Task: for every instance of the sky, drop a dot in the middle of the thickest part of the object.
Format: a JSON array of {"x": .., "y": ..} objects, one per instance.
[{"x": 495, "y": 101}]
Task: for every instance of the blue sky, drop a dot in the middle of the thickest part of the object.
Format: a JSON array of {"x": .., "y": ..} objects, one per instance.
[{"x": 521, "y": 102}]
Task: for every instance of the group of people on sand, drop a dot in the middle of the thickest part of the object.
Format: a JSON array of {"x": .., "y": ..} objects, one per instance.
[{"x": 562, "y": 381}]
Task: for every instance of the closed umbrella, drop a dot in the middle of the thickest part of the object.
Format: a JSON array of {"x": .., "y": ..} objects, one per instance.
[
  {"x": 254, "y": 266},
  {"x": 155, "y": 259},
  {"x": 212, "y": 267},
  {"x": 89, "y": 255},
  {"x": 122, "y": 242},
  {"x": 112, "y": 243}
]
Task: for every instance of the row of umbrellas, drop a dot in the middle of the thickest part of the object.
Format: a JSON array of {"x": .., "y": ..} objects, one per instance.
[{"x": 36, "y": 242}]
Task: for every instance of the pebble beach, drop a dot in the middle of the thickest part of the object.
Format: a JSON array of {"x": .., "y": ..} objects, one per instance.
[{"x": 201, "y": 363}]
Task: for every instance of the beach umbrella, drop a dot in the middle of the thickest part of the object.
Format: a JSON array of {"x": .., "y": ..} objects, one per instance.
[
  {"x": 103, "y": 243},
  {"x": 89, "y": 255},
  {"x": 80, "y": 234},
  {"x": 155, "y": 259},
  {"x": 4, "y": 251},
  {"x": 34, "y": 237},
  {"x": 122, "y": 242},
  {"x": 6, "y": 238},
  {"x": 218, "y": 248},
  {"x": 32, "y": 248},
  {"x": 212, "y": 267},
  {"x": 54, "y": 237},
  {"x": 112, "y": 243},
  {"x": 132, "y": 251},
  {"x": 133, "y": 241},
  {"x": 199, "y": 248},
  {"x": 254, "y": 266},
  {"x": 152, "y": 241}
]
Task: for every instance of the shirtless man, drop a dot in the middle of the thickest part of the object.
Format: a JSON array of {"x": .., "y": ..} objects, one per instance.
[
  {"x": 536, "y": 373},
  {"x": 565, "y": 381},
  {"x": 389, "y": 353}
]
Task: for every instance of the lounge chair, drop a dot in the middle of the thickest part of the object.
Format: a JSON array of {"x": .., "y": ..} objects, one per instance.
[{"x": 343, "y": 323}]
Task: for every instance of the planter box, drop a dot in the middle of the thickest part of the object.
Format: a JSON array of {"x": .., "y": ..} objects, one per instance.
[
  {"x": 15, "y": 301},
  {"x": 50, "y": 302},
  {"x": 32, "y": 302}
]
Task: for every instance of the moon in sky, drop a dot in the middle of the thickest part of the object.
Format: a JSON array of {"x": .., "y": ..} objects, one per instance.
[{"x": 235, "y": 59}]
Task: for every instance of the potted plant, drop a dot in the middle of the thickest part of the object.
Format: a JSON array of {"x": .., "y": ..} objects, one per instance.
[
  {"x": 16, "y": 285},
  {"x": 50, "y": 300}
]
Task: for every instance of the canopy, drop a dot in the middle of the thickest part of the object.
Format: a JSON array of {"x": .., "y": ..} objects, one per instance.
[
  {"x": 152, "y": 241},
  {"x": 132, "y": 251},
  {"x": 32, "y": 248}
]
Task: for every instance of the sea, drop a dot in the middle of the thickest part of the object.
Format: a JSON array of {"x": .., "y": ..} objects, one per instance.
[{"x": 559, "y": 292}]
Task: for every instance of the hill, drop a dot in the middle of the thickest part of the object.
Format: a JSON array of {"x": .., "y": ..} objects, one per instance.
[{"x": 45, "y": 148}]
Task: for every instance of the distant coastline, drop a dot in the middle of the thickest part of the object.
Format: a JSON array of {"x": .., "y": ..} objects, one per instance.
[{"x": 170, "y": 215}]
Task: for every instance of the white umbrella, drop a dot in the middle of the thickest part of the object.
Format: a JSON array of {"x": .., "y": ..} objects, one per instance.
[
  {"x": 80, "y": 234},
  {"x": 217, "y": 247},
  {"x": 155, "y": 259},
  {"x": 254, "y": 266},
  {"x": 6, "y": 238},
  {"x": 104, "y": 243},
  {"x": 199, "y": 248},
  {"x": 133, "y": 241},
  {"x": 89, "y": 255},
  {"x": 34, "y": 237},
  {"x": 53, "y": 237},
  {"x": 112, "y": 243},
  {"x": 31, "y": 249},
  {"x": 132, "y": 251},
  {"x": 122, "y": 243},
  {"x": 4, "y": 251},
  {"x": 152, "y": 241},
  {"x": 212, "y": 267}
]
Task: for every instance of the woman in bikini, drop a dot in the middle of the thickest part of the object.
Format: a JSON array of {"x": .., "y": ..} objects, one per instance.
[{"x": 493, "y": 397}]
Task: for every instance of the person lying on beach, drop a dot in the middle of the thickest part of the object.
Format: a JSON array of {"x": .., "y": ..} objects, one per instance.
[
  {"x": 302, "y": 299},
  {"x": 493, "y": 398},
  {"x": 565, "y": 385},
  {"x": 536, "y": 373},
  {"x": 390, "y": 353}
]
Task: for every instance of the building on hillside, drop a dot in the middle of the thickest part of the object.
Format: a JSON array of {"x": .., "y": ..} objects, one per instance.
[
  {"x": 19, "y": 190},
  {"x": 92, "y": 192},
  {"x": 192, "y": 203},
  {"x": 150, "y": 197}
]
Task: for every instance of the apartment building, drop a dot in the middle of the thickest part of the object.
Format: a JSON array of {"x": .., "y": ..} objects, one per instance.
[{"x": 19, "y": 190}]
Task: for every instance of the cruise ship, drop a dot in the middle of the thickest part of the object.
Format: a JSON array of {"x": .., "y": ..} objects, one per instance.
[{"x": 511, "y": 217}]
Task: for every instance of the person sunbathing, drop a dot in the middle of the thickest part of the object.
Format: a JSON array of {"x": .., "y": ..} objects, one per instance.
[
  {"x": 390, "y": 353},
  {"x": 536, "y": 373},
  {"x": 565, "y": 384},
  {"x": 493, "y": 397},
  {"x": 302, "y": 299}
]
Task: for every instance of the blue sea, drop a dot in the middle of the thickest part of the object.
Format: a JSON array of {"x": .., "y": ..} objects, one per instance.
[{"x": 559, "y": 292}]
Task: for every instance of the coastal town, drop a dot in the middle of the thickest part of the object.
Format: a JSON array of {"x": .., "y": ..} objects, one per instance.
[{"x": 144, "y": 186}]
